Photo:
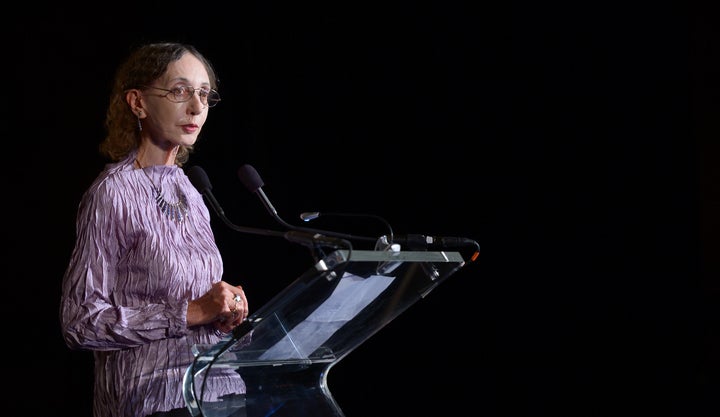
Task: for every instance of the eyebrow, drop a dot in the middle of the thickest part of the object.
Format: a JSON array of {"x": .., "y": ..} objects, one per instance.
[{"x": 186, "y": 81}]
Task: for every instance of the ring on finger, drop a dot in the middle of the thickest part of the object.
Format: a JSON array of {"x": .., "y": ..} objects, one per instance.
[{"x": 237, "y": 298}]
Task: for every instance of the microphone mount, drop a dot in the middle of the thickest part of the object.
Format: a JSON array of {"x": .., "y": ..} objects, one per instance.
[
  {"x": 198, "y": 177},
  {"x": 252, "y": 181},
  {"x": 312, "y": 215}
]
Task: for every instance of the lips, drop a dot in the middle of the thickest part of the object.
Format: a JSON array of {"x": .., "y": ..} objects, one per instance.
[{"x": 190, "y": 128}]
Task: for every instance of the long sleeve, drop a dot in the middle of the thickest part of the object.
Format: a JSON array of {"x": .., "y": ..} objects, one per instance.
[
  {"x": 97, "y": 312},
  {"x": 126, "y": 289}
]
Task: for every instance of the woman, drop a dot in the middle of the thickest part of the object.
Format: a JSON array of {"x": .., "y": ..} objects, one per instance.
[{"x": 143, "y": 284}]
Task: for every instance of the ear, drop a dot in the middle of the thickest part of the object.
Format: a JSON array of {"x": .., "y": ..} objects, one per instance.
[{"x": 135, "y": 101}]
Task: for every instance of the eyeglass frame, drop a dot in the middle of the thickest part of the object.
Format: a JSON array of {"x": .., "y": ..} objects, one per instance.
[{"x": 192, "y": 89}]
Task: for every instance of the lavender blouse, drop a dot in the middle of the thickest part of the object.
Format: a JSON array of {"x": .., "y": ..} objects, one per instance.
[{"x": 125, "y": 292}]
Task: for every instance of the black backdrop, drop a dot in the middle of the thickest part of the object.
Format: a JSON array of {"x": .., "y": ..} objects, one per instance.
[{"x": 576, "y": 144}]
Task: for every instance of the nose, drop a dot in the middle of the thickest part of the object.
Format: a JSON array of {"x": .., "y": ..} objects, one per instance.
[{"x": 195, "y": 105}]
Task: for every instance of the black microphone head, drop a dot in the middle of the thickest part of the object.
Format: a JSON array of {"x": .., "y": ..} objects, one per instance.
[
  {"x": 250, "y": 178},
  {"x": 199, "y": 179}
]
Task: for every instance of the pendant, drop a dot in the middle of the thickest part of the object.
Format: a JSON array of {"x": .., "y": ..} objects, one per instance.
[{"x": 176, "y": 212}]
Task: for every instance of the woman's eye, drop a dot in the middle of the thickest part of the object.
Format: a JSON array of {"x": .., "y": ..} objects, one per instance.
[{"x": 180, "y": 91}]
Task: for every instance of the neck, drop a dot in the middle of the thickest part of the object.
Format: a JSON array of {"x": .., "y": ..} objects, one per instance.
[{"x": 149, "y": 155}]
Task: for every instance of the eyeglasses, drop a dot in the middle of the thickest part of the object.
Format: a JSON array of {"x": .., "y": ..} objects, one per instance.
[{"x": 183, "y": 93}]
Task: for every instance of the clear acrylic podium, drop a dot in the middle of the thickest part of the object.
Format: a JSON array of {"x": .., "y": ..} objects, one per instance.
[{"x": 284, "y": 351}]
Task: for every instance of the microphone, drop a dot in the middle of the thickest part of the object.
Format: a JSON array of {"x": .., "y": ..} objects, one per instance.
[
  {"x": 418, "y": 241},
  {"x": 411, "y": 241},
  {"x": 199, "y": 179},
  {"x": 425, "y": 242},
  {"x": 384, "y": 242},
  {"x": 252, "y": 181},
  {"x": 312, "y": 215}
]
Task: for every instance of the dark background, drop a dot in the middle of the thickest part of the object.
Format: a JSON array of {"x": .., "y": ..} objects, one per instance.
[{"x": 576, "y": 144}]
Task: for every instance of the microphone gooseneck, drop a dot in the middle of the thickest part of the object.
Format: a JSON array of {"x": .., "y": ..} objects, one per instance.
[
  {"x": 252, "y": 181},
  {"x": 312, "y": 215},
  {"x": 410, "y": 241},
  {"x": 199, "y": 179}
]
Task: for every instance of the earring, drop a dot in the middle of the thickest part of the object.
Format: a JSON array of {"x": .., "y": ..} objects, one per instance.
[{"x": 139, "y": 122}]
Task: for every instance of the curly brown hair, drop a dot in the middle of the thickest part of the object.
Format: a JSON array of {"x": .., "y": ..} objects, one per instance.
[{"x": 144, "y": 65}]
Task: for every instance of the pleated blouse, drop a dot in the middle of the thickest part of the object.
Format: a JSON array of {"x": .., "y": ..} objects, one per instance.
[{"x": 126, "y": 289}]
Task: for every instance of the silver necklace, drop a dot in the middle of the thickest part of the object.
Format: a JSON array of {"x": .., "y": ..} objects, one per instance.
[{"x": 176, "y": 211}]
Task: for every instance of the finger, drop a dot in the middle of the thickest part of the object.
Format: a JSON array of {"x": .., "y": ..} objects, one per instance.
[
  {"x": 224, "y": 327},
  {"x": 242, "y": 296},
  {"x": 235, "y": 305},
  {"x": 241, "y": 303}
]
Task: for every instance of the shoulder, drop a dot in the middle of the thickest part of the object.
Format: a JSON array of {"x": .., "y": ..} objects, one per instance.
[{"x": 114, "y": 183}]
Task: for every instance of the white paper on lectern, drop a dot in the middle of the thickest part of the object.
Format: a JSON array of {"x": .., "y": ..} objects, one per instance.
[{"x": 351, "y": 295}]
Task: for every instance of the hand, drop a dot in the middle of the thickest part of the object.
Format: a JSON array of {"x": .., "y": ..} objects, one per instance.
[
  {"x": 224, "y": 305},
  {"x": 238, "y": 310}
]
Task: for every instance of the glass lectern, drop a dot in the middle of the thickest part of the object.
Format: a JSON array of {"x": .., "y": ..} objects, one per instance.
[{"x": 284, "y": 351}]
